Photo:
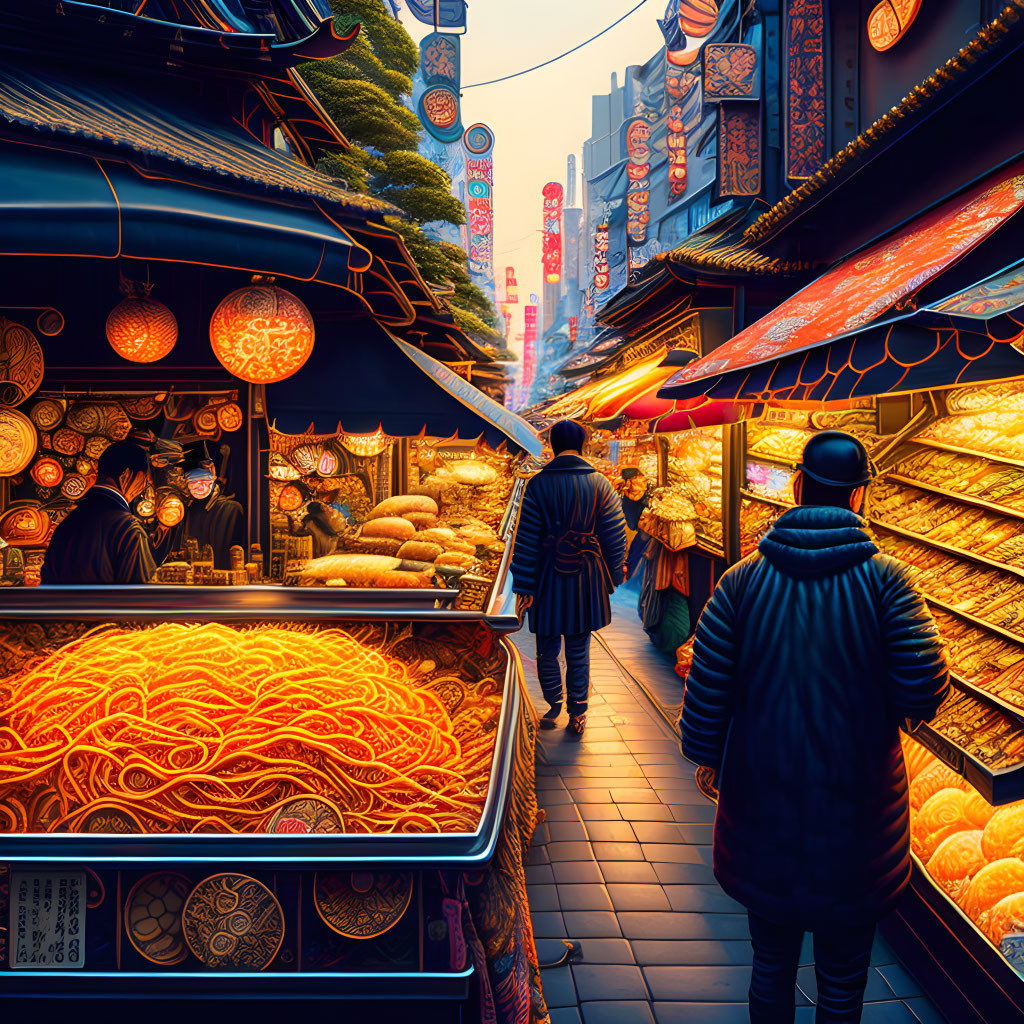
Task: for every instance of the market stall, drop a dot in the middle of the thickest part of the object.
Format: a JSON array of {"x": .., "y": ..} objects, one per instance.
[{"x": 299, "y": 761}]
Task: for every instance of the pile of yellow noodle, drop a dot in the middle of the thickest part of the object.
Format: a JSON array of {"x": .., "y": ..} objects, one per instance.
[{"x": 211, "y": 728}]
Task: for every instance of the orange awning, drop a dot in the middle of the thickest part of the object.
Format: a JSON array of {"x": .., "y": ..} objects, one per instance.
[
  {"x": 861, "y": 289},
  {"x": 605, "y": 398}
]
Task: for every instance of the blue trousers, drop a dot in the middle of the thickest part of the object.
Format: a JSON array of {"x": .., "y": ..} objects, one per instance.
[
  {"x": 842, "y": 956},
  {"x": 577, "y": 670}
]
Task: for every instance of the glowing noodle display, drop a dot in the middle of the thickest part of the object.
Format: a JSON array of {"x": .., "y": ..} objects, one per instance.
[{"x": 210, "y": 728}]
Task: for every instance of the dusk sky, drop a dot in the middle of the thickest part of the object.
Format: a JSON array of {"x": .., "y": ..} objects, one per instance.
[{"x": 538, "y": 119}]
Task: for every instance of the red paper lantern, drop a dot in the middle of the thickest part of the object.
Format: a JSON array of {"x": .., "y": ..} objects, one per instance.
[
  {"x": 141, "y": 330},
  {"x": 261, "y": 334}
]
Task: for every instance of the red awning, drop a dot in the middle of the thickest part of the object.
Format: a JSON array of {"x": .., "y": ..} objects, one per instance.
[
  {"x": 699, "y": 412},
  {"x": 862, "y": 288}
]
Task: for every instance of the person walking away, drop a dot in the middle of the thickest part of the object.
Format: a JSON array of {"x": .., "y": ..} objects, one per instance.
[
  {"x": 101, "y": 541},
  {"x": 570, "y": 549},
  {"x": 808, "y": 657}
]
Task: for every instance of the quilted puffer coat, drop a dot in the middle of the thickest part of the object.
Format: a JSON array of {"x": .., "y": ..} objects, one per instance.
[{"x": 808, "y": 658}]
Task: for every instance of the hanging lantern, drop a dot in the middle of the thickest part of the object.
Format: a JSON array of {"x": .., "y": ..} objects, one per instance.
[
  {"x": 140, "y": 329},
  {"x": 170, "y": 509},
  {"x": 145, "y": 507},
  {"x": 290, "y": 498},
  {"x": 262, "y": 333},
  {"x": 21, "y": 363},
  {"x": 17, "y": 442}
]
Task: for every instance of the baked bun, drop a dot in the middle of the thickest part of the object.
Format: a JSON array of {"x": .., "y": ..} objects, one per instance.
[
  {"x": 1005, "y": 917},
  {"x": 1004, "y": 833},
  {"x": 956, "y": 861},
  {"x": 393, "y": 527},
  {"x": 930, "y": 781},
  {"x": 992, "y": 883},
  {"x": 403, "y": 504},
  {"x": 941, "y": 816},
  {"x": 421, "y": 520},
  {"x": 475, "y": 474},
  {"x": 420, "y": 551},
  {"x": 978, "y": 810}
]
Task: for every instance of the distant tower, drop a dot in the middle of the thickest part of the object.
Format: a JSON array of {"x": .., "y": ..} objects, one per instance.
[{"x": 570, "y": 180}]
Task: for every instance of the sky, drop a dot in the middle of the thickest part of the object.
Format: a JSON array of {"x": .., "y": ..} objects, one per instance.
[{"x": 539, "y": 118}]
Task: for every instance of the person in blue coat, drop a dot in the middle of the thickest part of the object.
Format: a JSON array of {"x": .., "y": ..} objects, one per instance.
[
  {"x": 809, "y": 657},
  {"x": 569, "y": 554}
]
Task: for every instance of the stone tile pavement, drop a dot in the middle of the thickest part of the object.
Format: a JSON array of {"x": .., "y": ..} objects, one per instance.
[{"x": 623, "y": 866}]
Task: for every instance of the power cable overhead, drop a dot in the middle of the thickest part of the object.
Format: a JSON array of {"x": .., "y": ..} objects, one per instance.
[{"x": 537, "y": 67}]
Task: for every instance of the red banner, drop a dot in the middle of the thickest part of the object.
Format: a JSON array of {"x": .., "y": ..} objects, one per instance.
[
  {"x": 511, "y": 289},
  {"x": 574, "y": 322},
  {"x": 552, "y": 257},
  {"x": 602, "y": 274},
  {"x": 529, "y": 344}
]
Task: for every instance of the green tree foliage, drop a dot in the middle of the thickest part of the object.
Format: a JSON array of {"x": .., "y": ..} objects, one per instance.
[{"x": 363, "y": 90}]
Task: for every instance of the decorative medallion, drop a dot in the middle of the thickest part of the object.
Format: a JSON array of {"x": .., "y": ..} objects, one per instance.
[
  {"x": 26, "y": 525},
  {"x": 67, "y": 442},
  {"x": 50, "y": 322},
  {"x": 47, "y": 472},
  {"x": 205, "y": 420},
  {"x": 730, "y": 72},
  {"x": 290, "y": 499},
  {"x": 229, "y": 417},
  {"x": 21, "y": 363},
  {"x": 17, "y": 442},
  {"x": 361, "y": 904},
  {"x": 152, "y": 917},
  {"x": 306, "y": 814},
  {"x": 86, "y": 418},
  {"x": 110, "y": 821},
  {"x": 73, "y": 486},
  {"x": 233, "y": 922},
  {"x": 889, "y": 21},
  {"x": 438, "y": 106},
  {"x": 478, "y": 140},
  {"x": 142, "y": 407},
  {"x": 47, "y": 413},
  {"x": 96, "y": 445}
]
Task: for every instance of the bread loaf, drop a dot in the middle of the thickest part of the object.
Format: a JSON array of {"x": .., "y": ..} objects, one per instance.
[
  {"x": 475, "y": 474},
  {"x": 436, "y": 535},
  {"x": 421, "y": 520},
  {"x": 402, "y": 504},
  {"x": 356, "y": 570},
  {"x": 375, "y": 546},
  {"x": 389, "y": 526},
  {"x": 421, "y": 551},
  {"x": 455, "y": 558}
]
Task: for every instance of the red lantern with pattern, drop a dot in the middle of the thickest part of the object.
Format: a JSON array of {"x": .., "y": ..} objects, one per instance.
[
  {"x": 262, "y": 334},
  {"x": 140, "y": 329}
]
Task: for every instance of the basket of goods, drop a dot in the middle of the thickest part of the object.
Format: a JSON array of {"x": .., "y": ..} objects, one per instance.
[
  {"x": 669, "y": 519},
  {"x": 47, "y": 413},
  {"x": 473, "y": 593}
]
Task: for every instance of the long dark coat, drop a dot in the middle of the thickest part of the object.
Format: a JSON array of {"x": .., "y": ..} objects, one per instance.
[
  {"x": 568, "y": 496},
  {"x": 100, "y": 541},
  {"x": 809, "y": 655}
]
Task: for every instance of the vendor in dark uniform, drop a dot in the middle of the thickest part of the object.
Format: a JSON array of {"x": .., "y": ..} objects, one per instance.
[
  {"x": 635, "y": 492},
  {"x": 211, "y": 519},
  {"x": 101, "y": 541}
]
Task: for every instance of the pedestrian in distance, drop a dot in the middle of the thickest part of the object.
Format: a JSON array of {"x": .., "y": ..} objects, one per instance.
[
  {"x": 569, "y": 554},
  {"x": 810, "y": 656}
]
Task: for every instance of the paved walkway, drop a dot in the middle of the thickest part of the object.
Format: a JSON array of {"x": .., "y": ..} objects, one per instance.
[{"x": 623, "y": 865}]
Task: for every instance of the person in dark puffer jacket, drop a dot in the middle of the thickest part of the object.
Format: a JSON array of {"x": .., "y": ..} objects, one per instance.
[{"x": 808, "y": 658}]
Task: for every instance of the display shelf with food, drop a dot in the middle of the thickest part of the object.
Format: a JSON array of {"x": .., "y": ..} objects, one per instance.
[{"x": 969, "y": 851}]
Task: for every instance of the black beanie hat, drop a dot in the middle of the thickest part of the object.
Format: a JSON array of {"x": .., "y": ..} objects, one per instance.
[{"x": 567, "y": 436}]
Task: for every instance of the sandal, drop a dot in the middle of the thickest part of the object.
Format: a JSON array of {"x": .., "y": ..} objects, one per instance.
[{"x": 577, "y": 723}]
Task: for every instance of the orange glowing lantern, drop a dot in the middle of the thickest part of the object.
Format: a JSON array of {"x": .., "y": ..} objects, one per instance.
[
  {"x": 170, "y": 509},
  {"x": 290, "y": 498},
  {"x": 262, "y": 333},
  {"x": 140, "y": 329}
]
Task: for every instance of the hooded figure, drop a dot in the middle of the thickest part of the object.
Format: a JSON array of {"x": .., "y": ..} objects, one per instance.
[
  {"x": 570, "y": 546},
  {"x": 808, "y": 657}
]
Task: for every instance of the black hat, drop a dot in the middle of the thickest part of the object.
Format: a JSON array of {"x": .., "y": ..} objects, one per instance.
[
  {"x": 837, "y": 459},
  {"x": 198, "y": 458},
  {"x": 629, "y": 472}
]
